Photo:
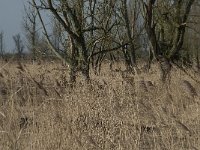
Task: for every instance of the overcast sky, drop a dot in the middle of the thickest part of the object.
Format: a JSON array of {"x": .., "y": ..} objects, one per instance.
[{"x": 11, "y": 13}]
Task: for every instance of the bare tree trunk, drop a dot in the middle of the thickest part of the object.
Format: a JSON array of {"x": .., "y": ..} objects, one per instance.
[
  {"x": 150, "y": 29},
  {"x": 79, "y": 60},
  {"x": 98, "y": 63},
  {"x": 84, "y": 59},
  {"x": 127, "y": 59},
  {"x": 128, "y": 31},
  {"x": 151, "y": 57},
  {"x": 165, "y": 68},
  {"x": 74, "y": 61},
  {"x": 86, "y": 72}
]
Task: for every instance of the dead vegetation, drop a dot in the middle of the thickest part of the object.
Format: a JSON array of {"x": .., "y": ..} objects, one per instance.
[{"x": 41, "y": 110}]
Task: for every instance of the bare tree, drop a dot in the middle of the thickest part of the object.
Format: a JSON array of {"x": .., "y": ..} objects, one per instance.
[
  {"x": 191, "y": 42},
  {"x": 129, "y": 30},
  {"x": 30, "y": 24},
  {"x": 2, "y": 46},
  {"x": 85, "y": 28},
  {"x": 71, "y": 17},
  {"x": 89, "y": 30},
  {"x": 19, "y": 46},
  {"x": 165, "y": 25},
  {"x": 104, "y": 41}
]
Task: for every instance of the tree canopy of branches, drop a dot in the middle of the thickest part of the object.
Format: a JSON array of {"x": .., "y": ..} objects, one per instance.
[
  {"x": 165, "y": 24},
  {"x": 88, "y": 31}
]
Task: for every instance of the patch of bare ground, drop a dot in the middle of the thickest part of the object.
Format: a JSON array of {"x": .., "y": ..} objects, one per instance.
[{"x": 40, "y": 110}]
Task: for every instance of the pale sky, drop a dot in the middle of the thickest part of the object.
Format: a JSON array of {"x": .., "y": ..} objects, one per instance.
[{"x": 11, "y": 13}]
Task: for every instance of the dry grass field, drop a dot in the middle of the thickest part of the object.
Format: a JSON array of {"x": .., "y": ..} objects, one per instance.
[{"x": 39, "y": 110}]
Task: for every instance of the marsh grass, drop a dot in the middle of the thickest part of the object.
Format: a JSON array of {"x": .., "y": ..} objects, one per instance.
[{"x": 40, "y": 110}]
